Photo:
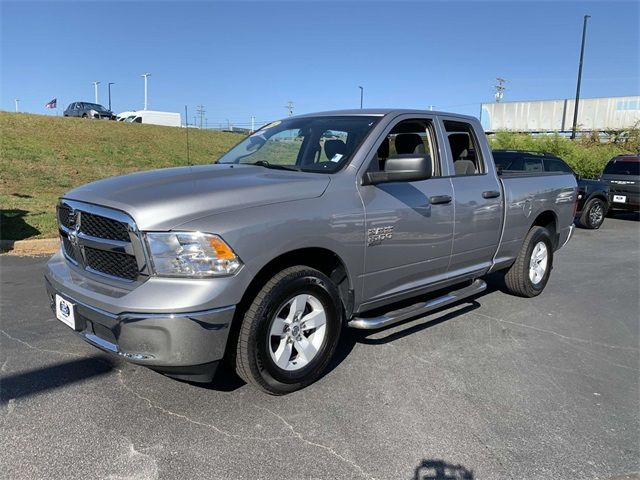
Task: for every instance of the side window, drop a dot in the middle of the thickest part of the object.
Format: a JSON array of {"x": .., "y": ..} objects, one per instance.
[
  {"x": 408, "y": 137},
  {"x": 553, "y": 165},
  {"x": 533, "y": 164},
  {"x": 464, "y": 147}
]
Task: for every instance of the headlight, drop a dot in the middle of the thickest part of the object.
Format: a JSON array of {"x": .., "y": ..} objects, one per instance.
[{"x": 191, "y": 254}]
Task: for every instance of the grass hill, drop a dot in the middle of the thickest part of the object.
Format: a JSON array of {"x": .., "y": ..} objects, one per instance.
[{"x": 42, "y": 157}]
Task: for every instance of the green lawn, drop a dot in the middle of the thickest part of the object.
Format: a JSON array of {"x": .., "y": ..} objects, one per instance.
[{"x": 41, "y": 157}]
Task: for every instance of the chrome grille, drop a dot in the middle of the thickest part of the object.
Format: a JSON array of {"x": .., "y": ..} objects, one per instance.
[
  {"x": 101, "y": 241},
  {"x": 115, "y": 264},
  {"x": 102, "y": 227}
]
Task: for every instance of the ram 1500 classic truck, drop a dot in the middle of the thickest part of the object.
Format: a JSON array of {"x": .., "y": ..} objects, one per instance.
[{"x": 307, "y": 226}]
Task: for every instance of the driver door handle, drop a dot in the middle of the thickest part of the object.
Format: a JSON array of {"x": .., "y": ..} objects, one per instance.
[
  {"x": 439, "y": 199},
  {"x": 491, "y": 194}
]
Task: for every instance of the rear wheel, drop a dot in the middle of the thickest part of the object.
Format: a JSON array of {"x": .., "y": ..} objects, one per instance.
[
  {"x": 290, "y": 331},
  {"x": 593, "y": 214},
  {"x": 528, "y": 276}
]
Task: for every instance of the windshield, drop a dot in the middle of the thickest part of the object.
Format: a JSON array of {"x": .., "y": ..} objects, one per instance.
[
  {"x": 310, "y": 144},
  {"x": 95, "y": 106},
  {"x": 622, "y": 167}
]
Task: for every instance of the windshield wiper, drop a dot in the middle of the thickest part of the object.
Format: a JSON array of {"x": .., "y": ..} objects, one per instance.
[{"x": 264, "y": 163}]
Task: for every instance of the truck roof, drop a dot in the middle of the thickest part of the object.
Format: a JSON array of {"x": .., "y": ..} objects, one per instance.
[{"x": 381, "y": 112}]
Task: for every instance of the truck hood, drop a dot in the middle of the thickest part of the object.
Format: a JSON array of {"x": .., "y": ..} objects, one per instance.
[{"x": 163, "y": 199}]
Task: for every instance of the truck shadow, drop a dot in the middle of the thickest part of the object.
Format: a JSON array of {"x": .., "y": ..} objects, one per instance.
[
  {"x": 434, "y": 469},
  {"x": 226, "y": 379},
  {"x": 32, "y": 382}
]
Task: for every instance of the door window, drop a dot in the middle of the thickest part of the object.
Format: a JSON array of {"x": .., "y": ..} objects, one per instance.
[
  {"x": 408, "y": 137},
  {"x": 555, "y": 165},
  {"x": 533, "y": 164},
  {"x": 464, "y": 148}
]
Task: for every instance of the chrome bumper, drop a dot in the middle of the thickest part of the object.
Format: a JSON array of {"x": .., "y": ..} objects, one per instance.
[{"x": 156, "y": 340}]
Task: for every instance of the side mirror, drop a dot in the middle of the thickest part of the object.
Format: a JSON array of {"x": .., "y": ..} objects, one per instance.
[{"x": 402, "y": 168}]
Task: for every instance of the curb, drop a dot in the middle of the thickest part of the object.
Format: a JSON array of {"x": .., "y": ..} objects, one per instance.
[{"x": 39, "y": 246}]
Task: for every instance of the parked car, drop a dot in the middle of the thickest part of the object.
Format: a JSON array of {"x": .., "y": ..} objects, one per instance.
[
  {"x": 622, "y": 174},
  {"x": 264, "y": 257},
  {"x": 88, "y": 110},
  {"x": 593, "y": 195},
  {"x": 168, "y": 119},
  {"x": 122, "y": 116}
]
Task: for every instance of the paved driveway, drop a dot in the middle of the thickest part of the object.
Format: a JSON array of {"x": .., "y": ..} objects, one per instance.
[{"x": 500, "y": 387}]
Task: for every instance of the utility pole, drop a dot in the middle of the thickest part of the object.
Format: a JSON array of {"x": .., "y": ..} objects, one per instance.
[
  {"x": 361, "y": 95},
  {"x": 17, "y": 100},
  {"x": 109, "y": 87},
  {"x": 253, "y": 123},
  {"x": 200, "y": 111},
  {"x": 289, "y": 107},
  {"x": 500, "y": 88},
  {"x": 95, "y": 87},
  {"x": 575, "y": 110},
  {"x": 146, "y": 76}
]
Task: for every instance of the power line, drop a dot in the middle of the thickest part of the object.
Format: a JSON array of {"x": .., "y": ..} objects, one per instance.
[
  {"x": 200, "y": 111},
  {"x": 500, "y": 88},
  {"x": 289, "y": 107}
]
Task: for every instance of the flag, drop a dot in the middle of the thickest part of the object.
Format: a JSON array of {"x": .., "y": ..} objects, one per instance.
[{"x": 52, "y": 104}]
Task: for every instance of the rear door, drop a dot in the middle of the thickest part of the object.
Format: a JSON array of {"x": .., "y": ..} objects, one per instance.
[
  {"x": 409, "y": 225},
  {"x": 477, "y": 195}
]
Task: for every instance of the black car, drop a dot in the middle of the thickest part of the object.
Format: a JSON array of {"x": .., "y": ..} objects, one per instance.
[
  {"x": 593, "y": 195},
  {"x": 622, "y": 174},
  {"x": 88, "y": 110}
]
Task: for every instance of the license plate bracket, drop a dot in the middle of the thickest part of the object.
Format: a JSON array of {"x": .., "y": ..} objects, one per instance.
[{"x": 66, "y": 312}]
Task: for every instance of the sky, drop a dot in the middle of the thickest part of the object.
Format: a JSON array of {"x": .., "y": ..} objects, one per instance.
[{"x": 242, "y": 59}]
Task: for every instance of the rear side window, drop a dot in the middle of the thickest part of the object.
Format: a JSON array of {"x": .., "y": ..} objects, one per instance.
[
  {"x": 622, "y": 167},
  {"x": 555, "y": 165},
  {"x": 464, "y": 148},
  {"x": 532, "y": 164}
]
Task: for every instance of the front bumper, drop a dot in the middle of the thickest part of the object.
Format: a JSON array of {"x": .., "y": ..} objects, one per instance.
[{"x": 183, "y": 345}]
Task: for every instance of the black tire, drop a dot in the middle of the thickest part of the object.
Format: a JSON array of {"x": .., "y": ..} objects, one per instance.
[
  {"x": 593, "y": 214},
  {"x": 84, "y": 115},
  {"x": 517, "y": 278},
  {"x": 253, "y": 361}
]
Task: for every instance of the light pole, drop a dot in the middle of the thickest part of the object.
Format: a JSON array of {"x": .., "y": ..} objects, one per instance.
[
  {"x": 575, "y": 110},
  {"x": 95, "y": 88},
  {"x": 361, "y": 95},
  {"x": 17, "y": 100},
  {"x": 146, "y": 76},
  {"x": 109, "y": 86}
]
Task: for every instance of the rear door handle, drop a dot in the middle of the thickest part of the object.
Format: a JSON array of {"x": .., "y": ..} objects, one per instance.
[
  {"x": 490, "y": 194},
  {"x": 439, "y": 199}
]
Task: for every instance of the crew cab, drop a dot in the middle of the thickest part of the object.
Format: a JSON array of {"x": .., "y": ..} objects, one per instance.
[
  {"x": 310, "y": 225},
  {"x": 593, "y": 195}
]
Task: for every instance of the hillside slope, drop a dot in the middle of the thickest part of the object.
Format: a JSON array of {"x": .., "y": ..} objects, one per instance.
[{"x": 41, "y": 157}]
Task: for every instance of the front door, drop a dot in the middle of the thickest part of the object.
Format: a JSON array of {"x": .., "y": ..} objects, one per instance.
[{"x": 409, "y": 225}]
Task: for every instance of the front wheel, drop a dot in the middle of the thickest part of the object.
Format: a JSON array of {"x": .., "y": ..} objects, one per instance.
[
  {"x": 290, "y": 331},
  {"x": 529, "y": 274},
  {"x": 593, "y": 214}
]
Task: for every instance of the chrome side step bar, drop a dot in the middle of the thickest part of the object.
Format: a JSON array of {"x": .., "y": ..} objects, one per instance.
[{"x": 396, "y": 316}]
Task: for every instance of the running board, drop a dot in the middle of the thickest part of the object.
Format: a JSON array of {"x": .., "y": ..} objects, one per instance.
[{"x": 396, "y": 316}]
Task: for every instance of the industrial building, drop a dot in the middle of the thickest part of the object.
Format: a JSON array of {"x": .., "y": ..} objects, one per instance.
[{"x": 538, "y": 116}]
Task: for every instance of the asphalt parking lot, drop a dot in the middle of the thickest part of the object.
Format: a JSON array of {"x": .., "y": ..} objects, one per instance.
[{"x": 496, "y": 388}]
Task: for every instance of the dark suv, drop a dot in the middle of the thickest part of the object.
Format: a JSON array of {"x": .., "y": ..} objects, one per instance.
[
  {"x": 622, "y": 174},
  {"x": 88, "y": 110},
  {"x": 593, "y": 195}
]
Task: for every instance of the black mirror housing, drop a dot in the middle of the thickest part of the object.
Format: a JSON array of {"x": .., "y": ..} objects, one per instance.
[{"x": 402, "y": 168}]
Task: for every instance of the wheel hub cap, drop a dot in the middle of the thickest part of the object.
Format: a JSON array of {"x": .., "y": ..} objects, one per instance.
[
  {"x": 297, "y": 332},
  {"x": 538, "y": 263}
]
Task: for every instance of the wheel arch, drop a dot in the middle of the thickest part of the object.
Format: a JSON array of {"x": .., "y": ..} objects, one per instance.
[
  {"x": 549, "y": 220},
  {"x": 319, "y": 258}
]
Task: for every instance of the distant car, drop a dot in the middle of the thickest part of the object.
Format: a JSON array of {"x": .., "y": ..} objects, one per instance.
[
  {"x": 122, "y": 116},
  {"x": 622, "y": 174},
  {"x": 168, "y": 119},
  {"x": 88, "y": 110},
  {"x": 593, "y": 195}
]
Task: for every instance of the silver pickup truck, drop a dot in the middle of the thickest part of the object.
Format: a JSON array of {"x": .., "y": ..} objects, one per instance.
[{"x": 309, "y": 225}]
